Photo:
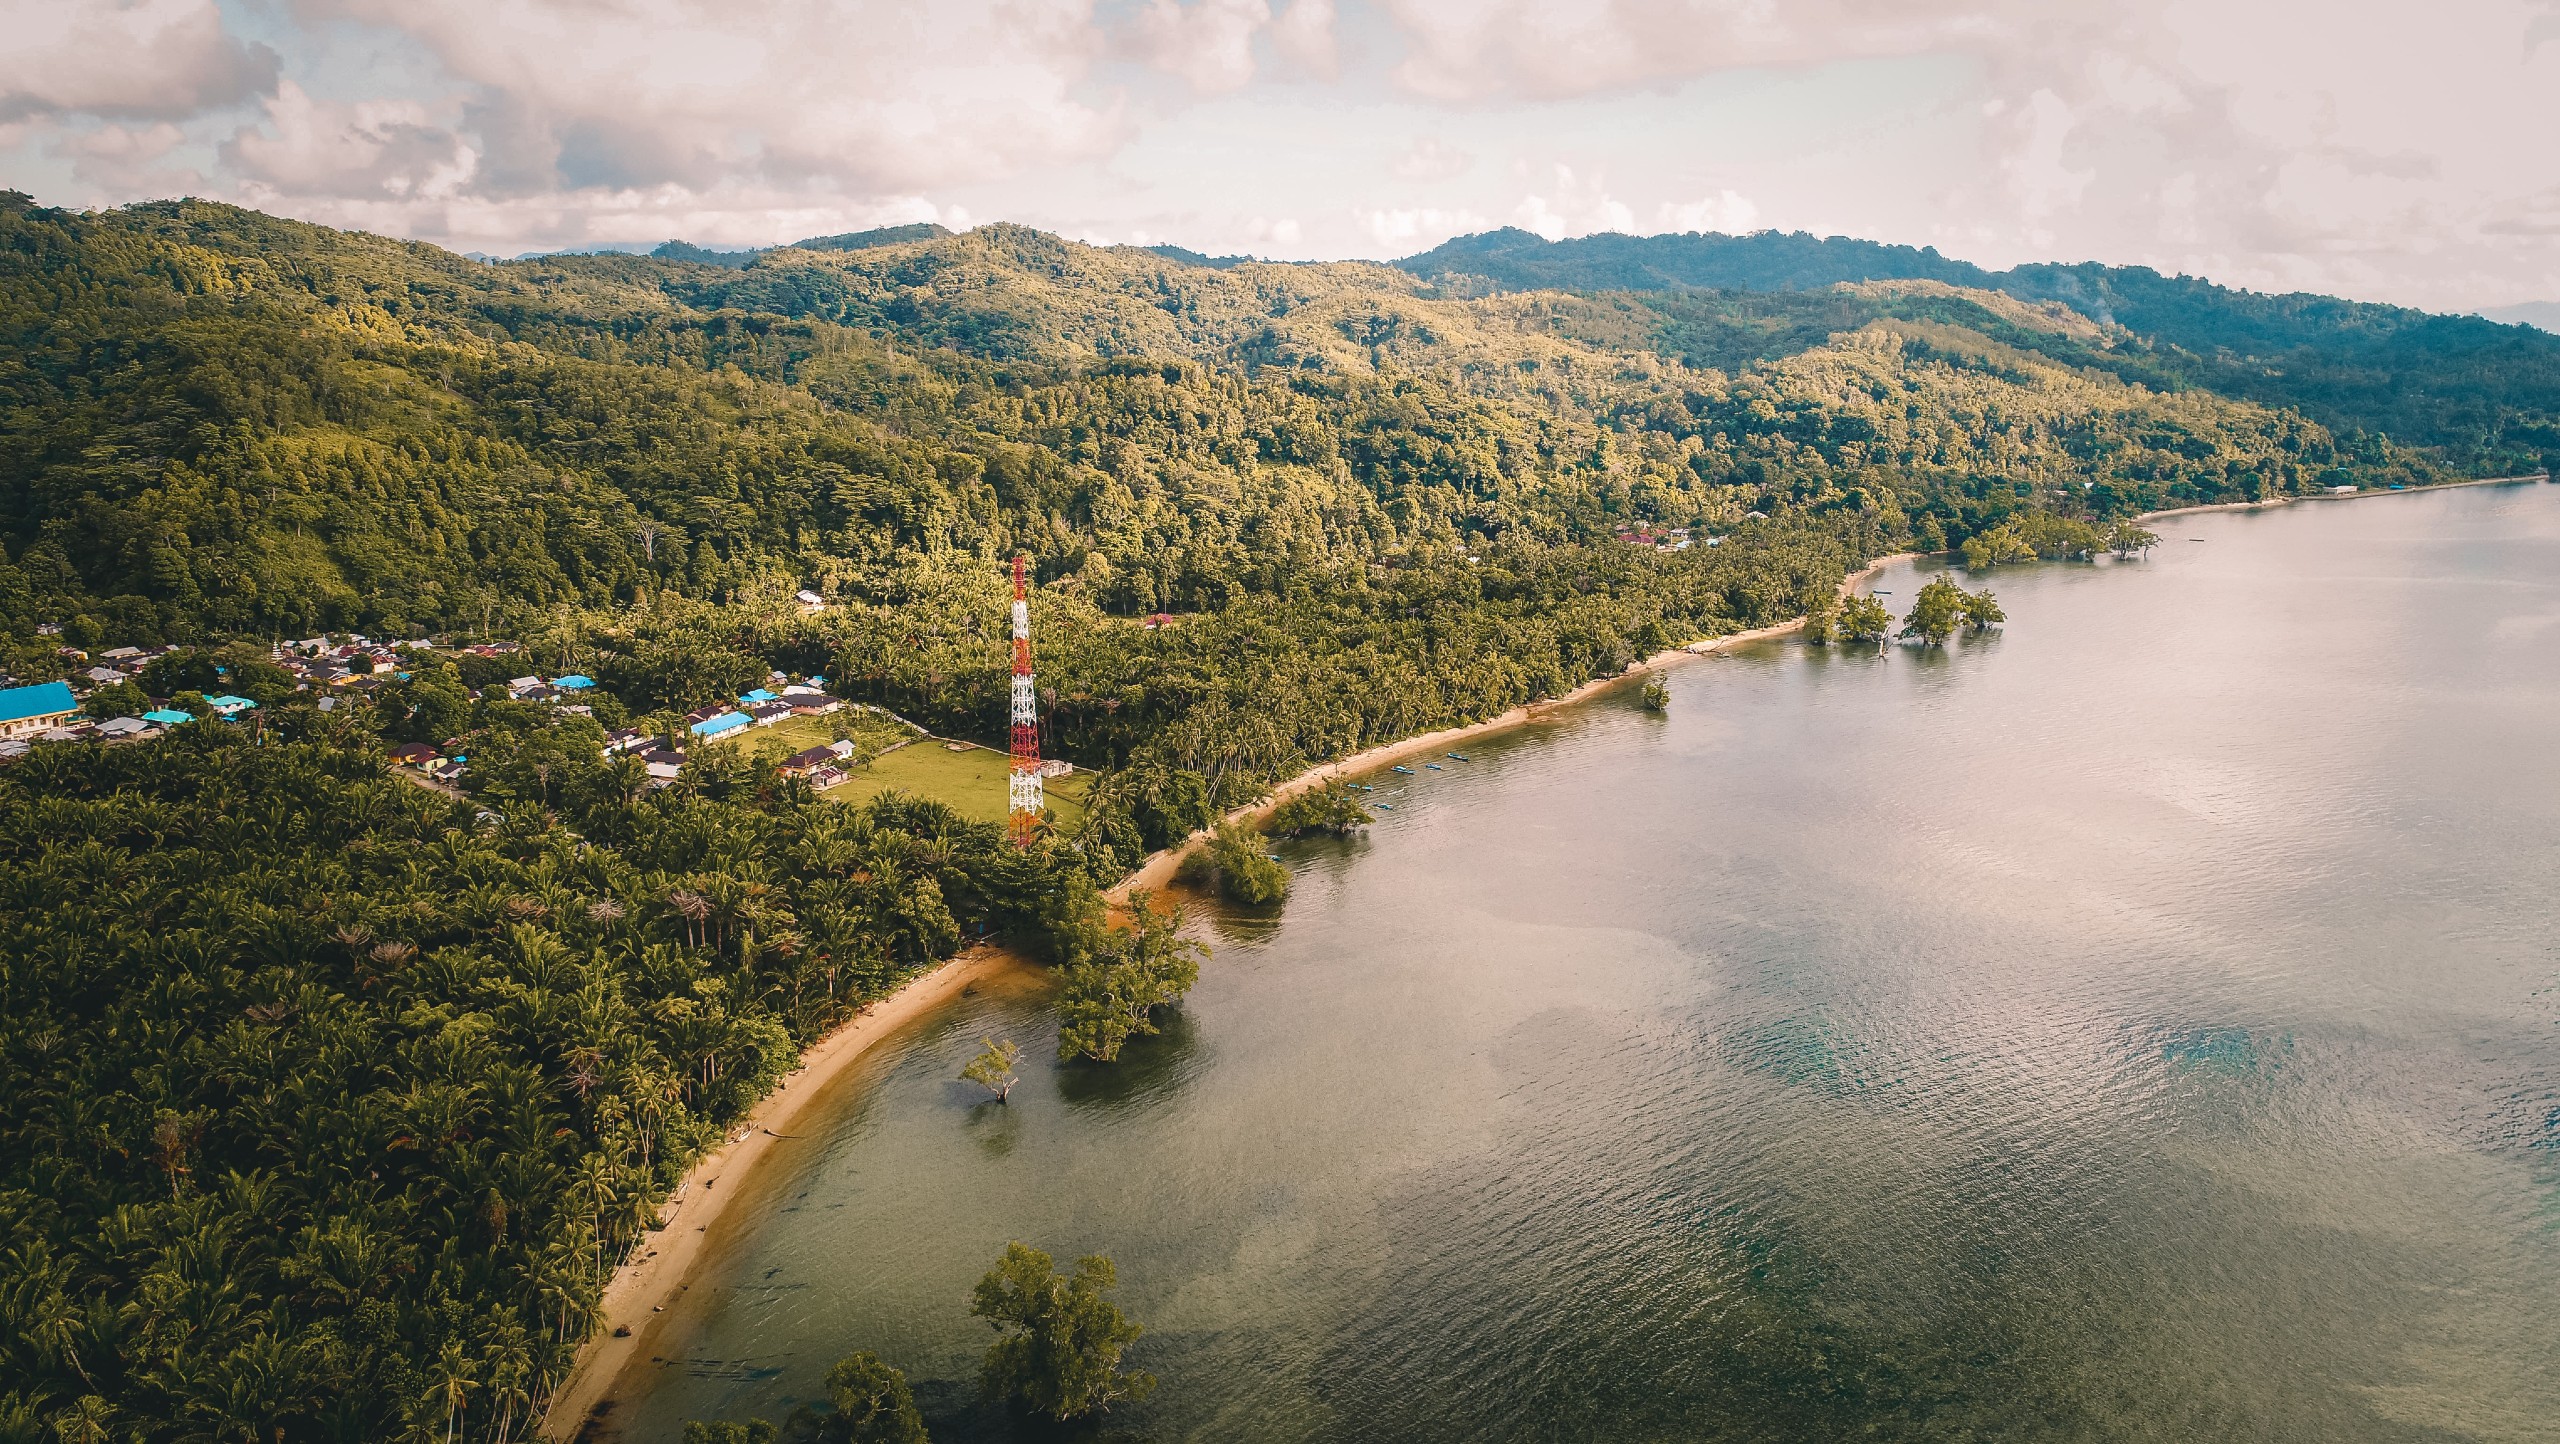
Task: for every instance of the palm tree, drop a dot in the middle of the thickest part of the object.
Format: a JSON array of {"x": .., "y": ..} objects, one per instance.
[{"x": 452, "y": 1382}]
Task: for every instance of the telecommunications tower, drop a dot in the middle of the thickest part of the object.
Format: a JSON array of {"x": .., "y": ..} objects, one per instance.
[{"x": 1022, "y": 790}]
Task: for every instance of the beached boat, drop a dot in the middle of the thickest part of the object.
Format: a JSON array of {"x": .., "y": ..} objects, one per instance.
[
  {"x": 1457, "y": 757},
  {"x": 1407, "y": 771}
]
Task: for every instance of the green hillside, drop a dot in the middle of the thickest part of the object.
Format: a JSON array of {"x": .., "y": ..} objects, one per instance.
[
  {"x": 328, "y": 1102},
  {"x": 224, "y": 423},
  {"x": 2483, "y": 396}
]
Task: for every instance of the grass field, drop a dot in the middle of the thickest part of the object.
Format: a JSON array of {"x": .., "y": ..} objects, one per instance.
[{"x": 971, "y": 783}]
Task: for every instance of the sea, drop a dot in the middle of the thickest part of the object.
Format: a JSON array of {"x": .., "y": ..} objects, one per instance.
[{"x": 2138, "y": 1023}]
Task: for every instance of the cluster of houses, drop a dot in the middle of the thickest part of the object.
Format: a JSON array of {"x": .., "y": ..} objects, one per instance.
[
  {"x": 1671, "y": 539},
  {"x": 52, "y": 711},
  {"x": 762, "y": 708}
]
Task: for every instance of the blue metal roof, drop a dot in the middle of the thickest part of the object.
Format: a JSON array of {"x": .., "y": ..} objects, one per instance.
[
  {"x": 17, "y": 704},
  {"x": 725, "y": 722},
  {"x": 759, "y": 695},
  {"x": 168, "y": 718},
  {"x": 574, "y": 682}
]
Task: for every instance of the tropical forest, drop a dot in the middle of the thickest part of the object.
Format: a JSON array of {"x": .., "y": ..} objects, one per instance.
[{"x": 332, "y": 1094}]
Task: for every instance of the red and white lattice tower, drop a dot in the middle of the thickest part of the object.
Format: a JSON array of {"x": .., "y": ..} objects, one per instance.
[{"x": 1022, "y": 788}]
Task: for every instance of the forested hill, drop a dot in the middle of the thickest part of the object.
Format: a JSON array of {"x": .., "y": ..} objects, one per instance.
[
  {"x": 223, "y": 423},
  {"x": 2486, "y": 394},
  {"x": 328, "y": 1102}
]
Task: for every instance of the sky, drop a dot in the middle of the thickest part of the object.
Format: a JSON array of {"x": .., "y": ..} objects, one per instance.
[{"x": 2397, "y": 152}]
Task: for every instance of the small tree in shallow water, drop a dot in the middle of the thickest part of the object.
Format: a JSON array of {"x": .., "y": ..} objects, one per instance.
[
  {"x": 1233, "y": 861},
  {"x": 1113, "y": 986},
  {"x": 1864, "y": 619},
  {"x": 1935, "y": 612},
  {"x": 1062, "y": 1340},
  {"x": 1982, "y": 611},
  {"x": 992, "y": 1070},
  {"x": 1657, "y": 695},
  {"x": 1331, "y": 808},
  {"x": 873, "y": 1404}
]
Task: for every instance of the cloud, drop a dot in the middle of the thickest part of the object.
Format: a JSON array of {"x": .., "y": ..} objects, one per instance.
[
  {"x": 1303, "y": 34},
  {"x": 386, "y": 148},
  {"x": 1724, "y": 211},
  {"x": 1399, "y": 230},
  {"x": 2242, "y": 137},
  {"x": 862, "y": 96},
  {"x": 137, "y": 59},
  {"x": 1578, "y": 207},
  {"x": 126, "y": 157},
  {"x": 1208, "y": 42},
  {"x": 1432, "y": 159}
]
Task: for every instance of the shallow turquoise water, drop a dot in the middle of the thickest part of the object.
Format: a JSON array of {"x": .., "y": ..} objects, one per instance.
[{"x": 2143, "y": 1025}]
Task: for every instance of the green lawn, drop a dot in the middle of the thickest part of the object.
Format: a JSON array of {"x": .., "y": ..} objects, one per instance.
[{"x": 971, "y": 783}]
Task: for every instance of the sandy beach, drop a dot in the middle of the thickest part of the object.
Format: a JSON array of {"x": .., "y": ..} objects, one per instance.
[
  {"x": 2337, "y": 496},
  {"x": 638, "y": 1290}
]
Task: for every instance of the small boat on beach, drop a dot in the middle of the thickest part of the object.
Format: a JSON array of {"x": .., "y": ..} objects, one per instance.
[
  {"x": 1457, "y": 757},
  {"x": 1434, "y": 766},
  {"x": 1384, "y": 806},
  {"x": 1407, "y": 771}
]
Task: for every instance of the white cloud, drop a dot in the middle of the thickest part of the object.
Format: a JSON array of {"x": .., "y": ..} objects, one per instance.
[
  {"x": 1208, "y": 43},
  {"x": 1399, "y": 230},
  {"x": 1724, "y": 211},
  {"x": 2377, "y": 149},
  {"x": 1578, "y": 207},
  {"x": 2248, "y": 138},
  {"x": 153, "y": 59},
  {"x": 866, "y": 96},
  {"x": 1432, "y": 159},
  {"x": 369, "y": 148},
  {"x": 1303, "y": 34}
]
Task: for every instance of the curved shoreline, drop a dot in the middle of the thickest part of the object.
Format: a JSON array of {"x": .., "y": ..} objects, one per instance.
[
  {"x": 667, "y": 1255},
  {"x": 640, "y": 1291}
]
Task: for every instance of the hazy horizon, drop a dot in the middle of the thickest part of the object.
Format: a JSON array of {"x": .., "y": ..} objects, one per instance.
[{"x": 2381, "y": 152}]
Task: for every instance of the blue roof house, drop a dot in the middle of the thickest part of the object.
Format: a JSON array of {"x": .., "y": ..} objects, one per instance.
[
  {"x": 759, "y": 695},
  {"x": 227, "y": 705},
  {"x": 168, "y": 717},
  {"x": 26, "y": 711},
  {"x": 721, "y": 726},
  {"x": 574, "y": 682}
]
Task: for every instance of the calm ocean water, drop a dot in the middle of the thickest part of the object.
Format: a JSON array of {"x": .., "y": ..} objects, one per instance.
[{"x": 2142, "y": 1025}]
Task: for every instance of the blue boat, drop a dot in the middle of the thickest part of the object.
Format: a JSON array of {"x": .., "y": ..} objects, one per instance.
[
  {"x": 1384, "y": 806},
  {"x": 1407, "y": 771},
  {"x": 1458, "y": 757},
  {"x": 1434, "y": 766}
]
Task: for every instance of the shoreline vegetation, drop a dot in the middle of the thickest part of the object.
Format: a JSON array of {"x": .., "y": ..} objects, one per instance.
[{"x": 640, "y": 1295}]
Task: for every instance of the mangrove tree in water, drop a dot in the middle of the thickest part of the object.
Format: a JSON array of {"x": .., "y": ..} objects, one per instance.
[
  {"x": 1116, "y": 981},
  {"x": 1061, "y": 1340}
]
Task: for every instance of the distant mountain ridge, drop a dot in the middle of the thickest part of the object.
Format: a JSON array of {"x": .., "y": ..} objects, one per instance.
[
  {"x": 2487, "y": 393},
  {"x": 848, "y": 241},
  {"x": 2542, "y": 315}
]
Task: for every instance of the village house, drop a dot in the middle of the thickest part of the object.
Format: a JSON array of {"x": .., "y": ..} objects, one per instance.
[{"x": 29, "y": 711}]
